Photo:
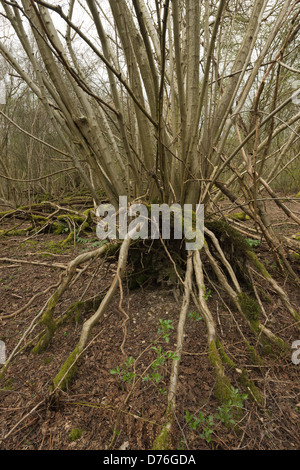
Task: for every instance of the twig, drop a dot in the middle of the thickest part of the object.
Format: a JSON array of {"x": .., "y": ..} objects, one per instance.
[{"x": 38, "y": 263}]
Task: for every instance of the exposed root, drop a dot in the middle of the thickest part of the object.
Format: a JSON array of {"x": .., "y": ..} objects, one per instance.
[
  {"x": 222, "y": 386},
  {"x": 163, "y": 440},
  {"x": 247, "y": 307},
  {"x": 47, "y": 318},
  {"x": 243, "y": 377},
  {"x": 63, "y": 377},
  {"x": 283, "y": 296}
]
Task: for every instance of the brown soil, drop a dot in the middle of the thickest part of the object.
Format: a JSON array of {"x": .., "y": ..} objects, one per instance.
[{"x": 94, "y": 402}]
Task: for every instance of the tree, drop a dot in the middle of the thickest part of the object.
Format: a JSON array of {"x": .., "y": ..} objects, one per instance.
[{"x": 181, "y": 102}]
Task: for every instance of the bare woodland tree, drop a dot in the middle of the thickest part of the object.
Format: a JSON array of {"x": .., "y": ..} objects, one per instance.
[{"x": 179, "y": 101}]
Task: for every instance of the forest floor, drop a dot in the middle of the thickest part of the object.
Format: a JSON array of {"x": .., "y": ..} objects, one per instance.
[{"x": 108, "y": 392}]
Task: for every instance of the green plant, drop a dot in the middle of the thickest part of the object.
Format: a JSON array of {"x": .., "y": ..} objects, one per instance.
[
  {"x": 204, "y": 424},
  {"x": 182, "y": 444},
  {"x": 253, "y": 243},
  {"x": 207, "y": 294},
  {"x": 164, "y": 330},
  {"x": 160, "y": 360},
  {"x": 124, "y": 372},
  {"x": 82, "y": 240},
  {"x": 226, "y": 414},
  {"x": 195, "y": 316}
]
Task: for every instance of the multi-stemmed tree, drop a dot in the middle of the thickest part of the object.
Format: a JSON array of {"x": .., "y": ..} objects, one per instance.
[{"x": 182, "y": 101}]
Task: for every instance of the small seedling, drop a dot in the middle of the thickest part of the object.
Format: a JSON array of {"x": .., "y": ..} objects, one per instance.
[
  {"x": 205, "y": 425},
  {"x": 159, "y": 362},
  {"x": 124, "y": 372},
  {"x": 253, "y": 243},
  {"x": 164, "y": 330},
  {"x": 207, "y": 294},
  {"x": 225, "y": 414},
  {"x": 195, "y": 316}
]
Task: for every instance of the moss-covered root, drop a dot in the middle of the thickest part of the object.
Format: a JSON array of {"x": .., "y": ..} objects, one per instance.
[
  {"x": 76, "y": 310},
  {"x": 47, "y": 318},
  {"x": 243, "y": 377},
  {"x": 280, "y": 292},
  {"x": 223, "y": 388},
  {"x": 164, "y": 441},
  {"x": 49, "y": 323},
  {"x": 67, "y": 370},
  {"x": 268, "y": 340},
  {"x": 3, "y": 372}
]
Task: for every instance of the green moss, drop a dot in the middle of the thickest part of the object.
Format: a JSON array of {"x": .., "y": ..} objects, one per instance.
[
  {"x": 277, "y": 345},
  {"x": 228, "y": 235},
  {"x": 67, "y": 371},
  {"x": 38, "y": 218},
  {"x": 77, "y": 309},
  {"x": 225, "y": 359},
  {"x": 253, "y": 258},
  {"x": 16, "y": 233},
  {"x": 43, "y": 342},
  {"x": 55, "y": 247},
  {"x": 163, "y": 440},
  {"x": 243, "y": 377},
  {"x": 32, "y": 243},
  {"x": 8, "y": 384},
  {"x": 58, "y": 228},
  {"x": 222, "y": 388},
  {"x": 3, "y": 214},
  {"x": 50, "y": 324},
  {"x": 239, "y": 216},
  {"x": 255, "y": 357},
  {"x": 74, "y": 217},
  {"x": 87, "y": 212},
  {"x": 75, "y": 434},
  {"x": 68, "y": 240},
  {"x": 296, "y": 236},
  {"x": 251, "y": 310}
]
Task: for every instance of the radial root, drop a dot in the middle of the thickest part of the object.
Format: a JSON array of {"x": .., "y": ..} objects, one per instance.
[{"x": 68, "y": 369}]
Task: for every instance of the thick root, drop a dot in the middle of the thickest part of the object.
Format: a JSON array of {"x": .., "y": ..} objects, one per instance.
[
  {"x": 68, "y": 369},
  {"x": 47, "y": 318},
  {"x": 222, "y": 385},
  {"x": 243, "y": 376},
  {"x": 163, "y": 440},
  {"x": 283, "y": 296},
  {"x": 247, "y": 307}
]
